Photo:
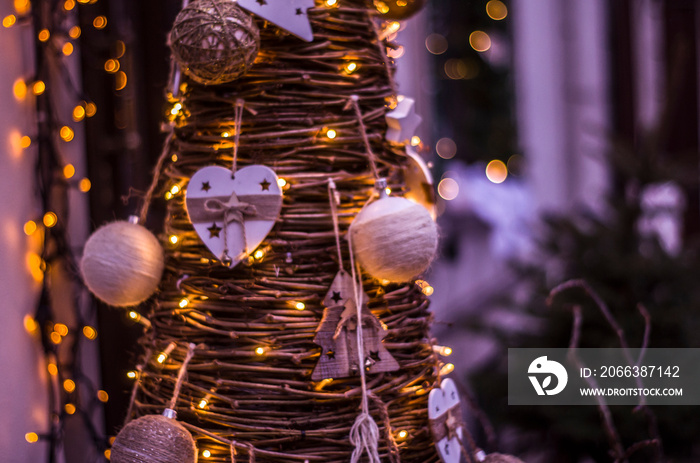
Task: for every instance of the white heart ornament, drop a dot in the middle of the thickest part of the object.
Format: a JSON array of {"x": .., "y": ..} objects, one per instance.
[
  {"x": 445, "y": 415},
  {"x": 290, "y": 15},
  {"x": 232, "y": 214}
]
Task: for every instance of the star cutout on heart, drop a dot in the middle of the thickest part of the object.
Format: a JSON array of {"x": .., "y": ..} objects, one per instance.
[
  {"x": 261, "y": 2},
  {"x": 214, "y": 231},
  {"x": 299, "y": 11},
  {"x": 265, "y": 185},
  {"x": 402, "y": 121},
  {"x": 374, "y": 355},
  {"x": 330, "y": 354},
  {"x": 336, "y": 297},
  {"x": 206, "y": 186}
]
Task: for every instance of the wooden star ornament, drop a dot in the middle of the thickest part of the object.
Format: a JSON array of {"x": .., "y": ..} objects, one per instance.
[
  {"x": 402, "y": 121},
  {"x": 290, "y": 15}
]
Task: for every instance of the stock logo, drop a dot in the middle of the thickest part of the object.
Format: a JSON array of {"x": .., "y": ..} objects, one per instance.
[{"x": 546, "y": 369}]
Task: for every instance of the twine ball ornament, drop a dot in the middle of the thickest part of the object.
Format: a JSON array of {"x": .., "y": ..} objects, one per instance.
[
  {"x": 214, "y": 41},
  {"x": 122, "y": 263},
  {"x": 398, "y": 9},
  {"x": 154, "y": 439},
  {"x": 394, "y": 239}
]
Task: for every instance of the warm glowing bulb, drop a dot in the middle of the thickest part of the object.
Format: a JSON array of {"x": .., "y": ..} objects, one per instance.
[
  {"x": 206, "y": 454},
  {"x": 161, "y": 358},
  {"x": 78, "y": 113},
  {"x": 131, "y": 374},
  {"x": 50, "y": 219},
  {"x": 394, "y": 26},
  {"x": 331, "y": 134},
  {"x": 22, "y": 6},
  {"x": 44, "y": 35},
  {"x": 168, "y": 195},
  {"x": 108, "y": 454},
  {"x": 173, "y": 240},
  {"x": 68, "y": 170},
  {"x": 31, "y": 437},
  {"x": 403, "y": 434},
  {"x": 69, "y": 5},
  {"x": 184, "y": 302},
  {"x": 19, "y": 88},
  {"x": 203, "y": 403},
  {"x": 300, "y": 306},
  {"x": 173, "y": 158},
  {"x": 447, "y": 369},
  {"x": 387, "y": 190},
  {"x": 74, "y": 32},
  {"x": 260, "y": 350},
  {"x": 66, "y": 133},
  {"x": 496, "y": 10},
  {"x": 480, "y": 41},
  {"x": 428, "y": 290},
  {"x": 225, "y": 134},
  {"x": 69, "y": 385},
  {"x": 61, "y": 329},
  {"x": 102, "y": 396},
  {"x": 281, "y": 182},
  {"x": 133, "y": 315},
  {"x": 331, "y": 2},
  {"x": 52, "y": 369},
  {"x": 175, "y": 189},
  {"x": 9, "y": 21},
  {"x": 112, "y": 66},
  {"x": 89, "y": 332},
  {"x": 85, "y": 185},
  {"x": 350, "y": 67},
  {"x": 67, "y": 49},
  {"x": 70, "y": 409},
  {"x": 446, "y": 351},
  {"x": 100, "y": 22},
  {"x": 25, "y": 142},
  {"x": 39, "y": 87},
  {"x": 259, "y": 254},
  {"x": 90, "y": 109},
  {"x": 30, "y": 324},
  {"x": 497, "y": 171},
  {"x": 30, "y": 227},
  {"x": 415, "y": 140},
  {"x": 120, "y": 81}
]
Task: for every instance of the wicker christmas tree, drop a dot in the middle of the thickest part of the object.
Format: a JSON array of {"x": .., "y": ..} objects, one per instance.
[{"x": 273, "y": 337}]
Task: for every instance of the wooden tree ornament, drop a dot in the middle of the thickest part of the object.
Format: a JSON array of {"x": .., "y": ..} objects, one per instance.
[
  {"x": 252, "y": 387},
  {"x": 338, "y": 331}
]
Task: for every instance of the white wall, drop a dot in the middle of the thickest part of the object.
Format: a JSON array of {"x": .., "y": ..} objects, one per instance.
[
  {"x": 23, "y": 401},
  {"x": 562, "y": 99}
]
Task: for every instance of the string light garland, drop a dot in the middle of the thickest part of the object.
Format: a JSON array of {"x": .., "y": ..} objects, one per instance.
[
  {"x": 248, "y": 394},
  {"x": 73, "y": 394}
]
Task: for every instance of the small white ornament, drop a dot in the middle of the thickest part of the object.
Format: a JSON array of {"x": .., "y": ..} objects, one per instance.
[
  {"x": 233, "y": 214},
  {"x": 445, "y": 415},
  {"x": 394, "y": 239},
  {"x": 402, "y": 121},
  {"x": 419, "y": 182},
  {"x": 122, "y": 263},
  {"x": 290, "y": 15}
]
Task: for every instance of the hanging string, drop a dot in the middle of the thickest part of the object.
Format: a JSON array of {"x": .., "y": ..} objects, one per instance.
[
  {"x": 156, "y": 178},
  {"x": 181, "y": 376},
  {"x": 335, "y": 200},
  {"x": 237, "y": 119},
  {"x": 354, "y": 101},
  {"x": 364, "y": 434}
]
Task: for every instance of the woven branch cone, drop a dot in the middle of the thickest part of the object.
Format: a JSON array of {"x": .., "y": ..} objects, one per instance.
[{"x": 268, "y": 401}]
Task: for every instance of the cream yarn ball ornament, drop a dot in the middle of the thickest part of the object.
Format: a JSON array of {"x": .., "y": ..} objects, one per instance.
[
  {"x": 154, "y": 439},
  {"x": 394, "y": 239},
  {"x": 122, "y": 263},
  {"x": 214, "y": 41}
]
